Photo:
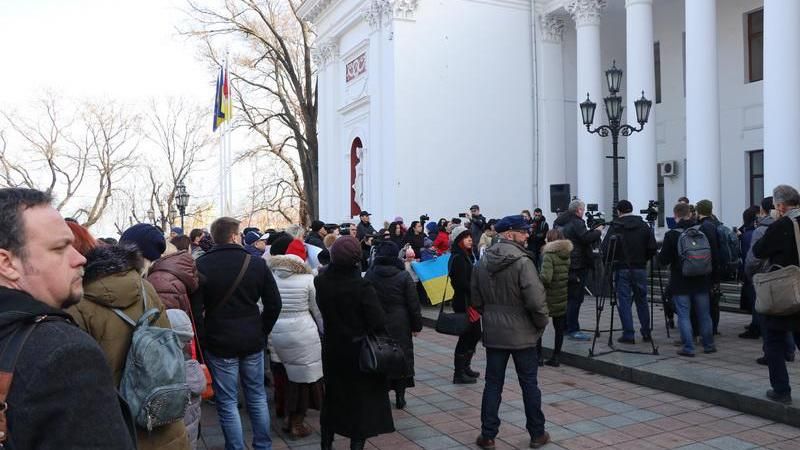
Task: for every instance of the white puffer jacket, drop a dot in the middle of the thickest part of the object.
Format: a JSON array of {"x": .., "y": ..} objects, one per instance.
[{"x": 295, "y": 337}]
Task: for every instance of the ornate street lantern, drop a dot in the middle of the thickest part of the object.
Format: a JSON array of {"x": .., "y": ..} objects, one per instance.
[
  {"x": 613, "y": 108},
  {"x": 642, "y": 109},
  {"x": 613, "y": 78},
  {"x": 587, "y": 110}
]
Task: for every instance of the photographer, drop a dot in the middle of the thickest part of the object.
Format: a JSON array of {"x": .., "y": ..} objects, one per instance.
[
  {"x": 573, "y": 227},
  {"x": 631, "y": 243},
  {"x": 539, "y": 229},
  {"x": 477, "y": 223}
]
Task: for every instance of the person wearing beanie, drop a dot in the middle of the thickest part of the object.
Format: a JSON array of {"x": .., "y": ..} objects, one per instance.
[
  {"x": 296, "y": 349},
  {"x": 280, "y": 245},
  {"x": 355, "y": 404},
  {"x": 628, "y": 245},
  {"x": 398, "y": 295},
  {"x": 253, "y": 243},
  {"x": 462, "y": 259},
  {"x": 147, "y": 239},
  {"x": 175, "y": 231},
  {"x": 317, "y": 234}
]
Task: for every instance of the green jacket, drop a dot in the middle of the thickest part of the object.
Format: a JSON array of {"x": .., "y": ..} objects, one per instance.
[{"x": 555, "y": 275}]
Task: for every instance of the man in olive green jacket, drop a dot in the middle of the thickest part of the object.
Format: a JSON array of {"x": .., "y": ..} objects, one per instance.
[{"x": 507, "y": 291}]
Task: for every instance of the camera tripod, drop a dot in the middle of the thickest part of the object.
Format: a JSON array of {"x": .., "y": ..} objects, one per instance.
[
  {"x": 652, "y": 279},
  {"x": 600, "y": 301}
]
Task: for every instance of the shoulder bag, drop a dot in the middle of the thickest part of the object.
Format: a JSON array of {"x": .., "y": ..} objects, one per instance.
[
  {"x": 778, "y": 291},
  {"x": 451, "y": 323}
]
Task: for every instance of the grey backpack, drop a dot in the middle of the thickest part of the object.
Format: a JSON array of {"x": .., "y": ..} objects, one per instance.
[
  {"x": 694, "y": 252},
  {"x": 154, "y": 377}
]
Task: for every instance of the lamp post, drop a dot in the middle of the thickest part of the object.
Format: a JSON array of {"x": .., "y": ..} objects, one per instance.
[
  {"x": 614, "y": 108},
  {"x": 182, "y": 199}
]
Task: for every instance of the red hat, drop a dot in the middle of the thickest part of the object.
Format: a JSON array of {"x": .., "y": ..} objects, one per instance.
[{"x": 297, "y": 248}]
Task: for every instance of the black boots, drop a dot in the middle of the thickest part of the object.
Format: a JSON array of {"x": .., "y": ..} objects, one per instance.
[
  {"x": 357, "y": 444},
  {"x": 459, "y": 375},
  {"x": 400, "y": 398},
  {"x": 327, "y": 440},
  {"x": 467, "y": 369},
  {"x": 553, "y": 361}
]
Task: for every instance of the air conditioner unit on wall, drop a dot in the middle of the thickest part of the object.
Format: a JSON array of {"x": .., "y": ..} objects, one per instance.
[{"x": 668, "y": 168}]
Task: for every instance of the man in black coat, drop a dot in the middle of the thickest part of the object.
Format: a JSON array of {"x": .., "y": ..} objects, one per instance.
[
  {"x": 477, "y": 225},
  {"x": 62, "y": 394},
  {"x": 235, "y": 331},
  {"x": 316, "y": 235},
  {"x": 364, "y": 227},
  {"x": 779, "y": 245},
  {"x": 708, "y": 225},
  {"x": 629, "y": 245},
  {"x": 539, "y": 229},
  {"x": 573, "y": 226}
]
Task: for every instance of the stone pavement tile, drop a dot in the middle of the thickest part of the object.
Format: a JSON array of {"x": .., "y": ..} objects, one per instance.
[
  {"x": 699, "y": 433},
  {"x": 568, "y": 405},
  {"x": 693, "y": 404},
  {"x": 466, "y": 437},
  {"x": 636, "y": 445},
  {"x": 406, "y": 423},
  {"x": 466, "y": 413},
  {"x": 611, "y": 437},
  {"x": 729, "y": 443},
  {"x": 758, "y": 437},
  {"x": 669, "y": 440},
  {"x": 575, "y": 393},
  {"x": 641, "y": 415},
  {"x": 385, "y": 440},
  {"x": 694, "y": 418},
  {"x": 436, "y": 418},
  {"x": 553, "y": 398},
  {"x": 436, "y": 398},
  {"x": 436, "y": 443},
  {"x": 559, "y": 433},
  {"x": 668, "y": 409},
  {"x": 590, "y": 412},
  {"x": 563, "y": 418},
  {"x": 587, "y": 427},
  {"x": 719, "y": 411},
  {"x": 667, "y": 397},
  {"x": 751, "y": 421},
  {"x": 451, "y": 405},
  {"x": 453, "y": 427},
  {"x": 597, "y": 400},
  {"x": 696, "y": 446},
  {"x": 643, "y": 402},
  {"x": 782, "y": 430},
  {"x": 422, "y": 432},
  {"x": 615, "y": 421},
  {"x": 786, "y": 445},
  {"x": 724, "y": 426},
  {"x": 581, "y": 443},
  {"x": 418, "y": 410},
  {"x": 639, "y": 430},
  {"x": 667, "y": 424},
  {"x": 617, "y": 407}
]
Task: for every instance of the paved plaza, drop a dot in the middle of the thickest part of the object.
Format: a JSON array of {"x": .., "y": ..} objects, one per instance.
[{"x": 584, "y": 410}]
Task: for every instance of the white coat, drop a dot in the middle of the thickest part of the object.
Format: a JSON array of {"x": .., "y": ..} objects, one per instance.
[{"x": 295, "y": 338}]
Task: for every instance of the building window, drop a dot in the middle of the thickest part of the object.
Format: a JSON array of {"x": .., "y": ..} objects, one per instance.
[
  {"x": 755, "y": 46},
  {"x": 756, "y": 165},
  {"x": 657, "y": 61}
]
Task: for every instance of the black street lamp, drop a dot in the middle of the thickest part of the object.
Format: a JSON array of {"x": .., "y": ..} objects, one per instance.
[
  {"x": 182, "y": 199},
  {"x": 614, "y": 108}
]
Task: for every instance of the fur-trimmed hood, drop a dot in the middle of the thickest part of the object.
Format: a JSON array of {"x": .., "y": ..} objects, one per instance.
[
  {"x": 108, "y": 260},
  {"x": 561, "y": 246},
  {"x": 285, "y": 266}
]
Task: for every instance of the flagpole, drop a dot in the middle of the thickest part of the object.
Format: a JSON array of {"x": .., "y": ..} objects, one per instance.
[{"x": 228, "y": 124}]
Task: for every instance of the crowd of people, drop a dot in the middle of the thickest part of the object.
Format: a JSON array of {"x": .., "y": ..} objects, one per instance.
[{"x": 288, "y": 311}]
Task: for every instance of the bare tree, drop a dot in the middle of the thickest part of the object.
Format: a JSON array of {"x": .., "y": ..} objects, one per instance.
[
  {"x": 274, "y": 85},
  {"x": 272, "y": 195},
  {"x": 179, "y": 134}
]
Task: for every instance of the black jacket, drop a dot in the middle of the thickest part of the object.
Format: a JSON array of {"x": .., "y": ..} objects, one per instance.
[
  {"x": 460, "y": 272},
  {"x": 364, "y": 229},
  {"x": 356, "y": 404},
  {"x": 574, "y": 229},
  {"x": 708, "y": 225},
  {"x": 537, "y": 239},
  {"x": 237, "y": 329},
  {"x": 417, "y": 241},
  {"x": 635, "y": 243},
  {"x": 679, "y": 284},
  {"x": 62, "y": 395},
  {"x": 397, "y": 294},
  {"x": 477, "y": 224},
  {"x": 315, "y": 239},
  {"x": 778, "y": 244}
]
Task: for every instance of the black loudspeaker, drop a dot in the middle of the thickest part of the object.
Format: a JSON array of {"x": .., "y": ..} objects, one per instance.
[{"x": 559, "y": 197}]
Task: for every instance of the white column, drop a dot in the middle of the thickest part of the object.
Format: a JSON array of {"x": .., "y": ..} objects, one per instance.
[
  {"x": 781, "y": 93},
  {"x": 640, "y": 69},
  {"x": 550, "y": 93},
  {"x": 591, "y": 162},
  {"x": 702, "y": 103}
]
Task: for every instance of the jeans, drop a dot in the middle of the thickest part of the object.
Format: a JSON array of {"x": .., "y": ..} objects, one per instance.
[
  {"x": 526, "y": 363},
  {"x": 575, "y": 291},
  {"x": 226, "y": 373},
  {"x": 789, "y": 340},
  {"x": 683, "y": 306},
  {"x": 778, "y": 344},
  {"x": 632, "y": 283}
]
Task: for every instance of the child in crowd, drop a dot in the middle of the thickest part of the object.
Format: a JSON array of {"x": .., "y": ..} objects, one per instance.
[{"x": 555, "y": 276}]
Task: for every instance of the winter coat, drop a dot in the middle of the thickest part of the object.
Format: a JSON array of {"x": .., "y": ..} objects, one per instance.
[
  {"x": 574, "y": 229},
  {"x": 539, "y": 229},
  {"x": 237, "y": 328},
  {"x": 295, "y": 336},
  {"x": 753, "y": 265},
  {"x": 460, "y": 271},
  {"x": 487, "y": 241},
  {"x": 778, "y": 245},
  {"x": 174, "y": 278},
  {"x": 112, "y": 279},
  {"x": 364, "y": 229},
  {"x": 254, "y": 252},
  {"x": 356, "y": 404},
  {"x": 635, "y": 243},
  {"x": 417, "y": 241},
  {"x": 62, "y": 395},
  {"x": 708, "y": 225},
  {"x": 397, "y": 294},
  {"x": 555, "y": 275},
  {"x": 679, "y": 284},
  {"x": 477, "y": 224},
  {"x": 315, "y": 239},
  {"x": 442, "y": 242},
  {"x": 506, "y": 289}
]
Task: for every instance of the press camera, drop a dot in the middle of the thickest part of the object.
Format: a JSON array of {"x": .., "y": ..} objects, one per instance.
[
  {"x": 594, "y": 218},
  {"x": 651, "y": 211}
]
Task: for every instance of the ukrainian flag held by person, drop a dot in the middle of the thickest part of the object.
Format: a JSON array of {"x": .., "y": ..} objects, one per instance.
[
  {"x": 222, "y": 101},
  {"x": 433, "y": 276}
]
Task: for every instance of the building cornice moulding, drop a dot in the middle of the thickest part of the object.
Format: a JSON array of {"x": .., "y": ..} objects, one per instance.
[
  {"x": 380, "y": 13},
  {"x": 586, "y": 12},
  {"x": 311, "y": 9}
]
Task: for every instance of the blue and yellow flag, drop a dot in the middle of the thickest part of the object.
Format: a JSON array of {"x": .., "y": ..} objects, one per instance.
[
  {"x": 222, "y": 100},
  {"x": 433, "y": 276}
]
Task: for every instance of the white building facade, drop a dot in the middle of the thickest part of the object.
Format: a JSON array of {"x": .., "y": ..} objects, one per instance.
[{"x": 429, "y": 106}]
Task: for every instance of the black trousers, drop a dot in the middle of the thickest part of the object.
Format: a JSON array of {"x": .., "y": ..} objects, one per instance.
[
  {"x": 559, "y": 326},
  {"x": 469, "y": 340}
]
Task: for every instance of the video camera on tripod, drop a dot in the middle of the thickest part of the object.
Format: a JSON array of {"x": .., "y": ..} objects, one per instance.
[
  {"x": 594, "y": 218},
  {"x": 651, "y": 211}
]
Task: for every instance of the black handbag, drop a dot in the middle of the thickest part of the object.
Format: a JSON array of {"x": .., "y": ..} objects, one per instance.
[
  {"x": 451, "y": 323},
  {"x": 382, "y": 355}
]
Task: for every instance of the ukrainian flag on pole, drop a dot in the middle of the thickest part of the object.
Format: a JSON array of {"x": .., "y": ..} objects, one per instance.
[
  {"x": 222, "y": 100},
  {"x": 433, "y": 275}
]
